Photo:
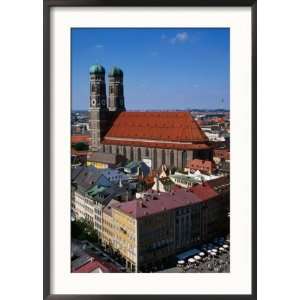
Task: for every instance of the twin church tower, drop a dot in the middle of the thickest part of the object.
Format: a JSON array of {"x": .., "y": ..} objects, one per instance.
[
  {"x": 164, "y": 138},
  {"x": 104, "y": 111}
]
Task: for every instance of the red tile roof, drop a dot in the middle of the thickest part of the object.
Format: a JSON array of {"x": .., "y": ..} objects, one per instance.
[
  {"x": 199, "y": 164},
  {"x": 204, "y": 191},
  {"x": 222, "y": 153},
  {"x": 157, "y": 126},
  {"x": 218, "y": 120},
  {"x": 93, "y": 265},
  {"x": 158, "y": 203},
  {"x": 80, "y": 138}
]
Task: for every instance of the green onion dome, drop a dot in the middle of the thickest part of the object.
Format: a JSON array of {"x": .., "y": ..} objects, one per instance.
[
  {"x": 97, "y": 69},
  {"x": 115, "y": 72}
]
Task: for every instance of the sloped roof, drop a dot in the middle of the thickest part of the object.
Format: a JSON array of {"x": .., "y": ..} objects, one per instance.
[
  {"x": 103, "y": 157},
  {"x": 156, "y": 126},
  {"x": 80, "y": 138},
  {"x": 157, "y": 203},
  {"x": 221, "y": 184},
  {"x": 199, "y": 164},
  {"x": 91, "y": 266},
  {"x": 89, "y": 176},
  {"x": 76, "y": 171},
  {"x": 80, "y": 261},
  {"x": 204, "y": 192}
]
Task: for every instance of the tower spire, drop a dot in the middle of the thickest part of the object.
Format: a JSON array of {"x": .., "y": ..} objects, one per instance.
[
  {"x": 97, "y": 105},
  {"x": 116, "y": 90}
]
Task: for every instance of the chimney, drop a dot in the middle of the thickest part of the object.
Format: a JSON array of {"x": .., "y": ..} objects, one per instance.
[
  {"x": 120, "y": 182},
  {"x": 157, "y": 183}
]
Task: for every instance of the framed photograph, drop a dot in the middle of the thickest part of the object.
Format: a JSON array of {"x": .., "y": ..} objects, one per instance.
[{"x": 150, "y": 149}]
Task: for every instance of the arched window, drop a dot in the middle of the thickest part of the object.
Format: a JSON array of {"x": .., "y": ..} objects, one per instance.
[
  {"x": 103, "y": 148},
  {"x": 139, "y": 154},
  {"x": 172, "y": 158},
  {"x": 117, "y": 150},
  {"x": 163, "y": 157},
  {"x": 110, "y": 149},
  {"x": 154, "y": 159},
  {"x": 124, "y": 151},
  {"x": 131, "y": 153},
  {"x": 147, "y": 152},
  {"x": 184, "y": 159}
]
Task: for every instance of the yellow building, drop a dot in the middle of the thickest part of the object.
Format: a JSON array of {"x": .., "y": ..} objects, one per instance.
[
  {"x": 149, "y": 232},
  {"x": 125, "y": 243},
  {"x": 143, "y": 231},
  {"x": 107, "y": 230},
  {"x": 97, "y": 165},
  {"x": 101, "y": 160},
  {"x": 119, "y": 234}
]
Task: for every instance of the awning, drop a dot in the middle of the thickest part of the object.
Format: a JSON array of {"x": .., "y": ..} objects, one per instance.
[{"x": 187, "y": 254}]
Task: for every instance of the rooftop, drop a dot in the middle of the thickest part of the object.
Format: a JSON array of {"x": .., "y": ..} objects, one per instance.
[
  {"x": 199, "y": 163},
  {"x": 80, "y": 138},
  {"x": 97, "y": 69},
  {"x": 107, "y": 209},
  {"x": 184, "y": 177},
  {"x": 197, "y": 176},
  {"x": 87, "y": 177},
  {"x": 115, "y": 71},
  {"x": 204, "y": 191},
  {"x": 156, "y": 127},
  {"x": 103, "y": 157},
  {"x": 154, "y": 203},
  {"x": 96, "y": 264},
  {"x": 220, "y": 184}
]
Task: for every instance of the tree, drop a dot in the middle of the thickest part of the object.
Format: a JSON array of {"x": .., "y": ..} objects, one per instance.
[
  {"x": 83, "y": 230},
  {"x": 81, "y": 146}
]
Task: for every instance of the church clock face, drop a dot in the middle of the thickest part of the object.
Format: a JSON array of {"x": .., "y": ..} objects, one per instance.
[
  {"x": 94, "y": 102},
  {"x": 103, "y": 102}
]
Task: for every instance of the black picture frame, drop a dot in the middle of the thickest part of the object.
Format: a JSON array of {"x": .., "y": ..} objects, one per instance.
[{"x": 47, "y": 131}]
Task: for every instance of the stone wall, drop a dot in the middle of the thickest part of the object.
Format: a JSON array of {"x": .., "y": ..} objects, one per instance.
[{"x": 170, "y": 157}]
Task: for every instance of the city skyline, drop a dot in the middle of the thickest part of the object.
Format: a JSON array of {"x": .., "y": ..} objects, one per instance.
[{"x": 165, "y": 69}]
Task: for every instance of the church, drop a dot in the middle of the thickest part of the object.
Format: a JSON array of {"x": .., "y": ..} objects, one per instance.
[{"x": 157, "y": 138}]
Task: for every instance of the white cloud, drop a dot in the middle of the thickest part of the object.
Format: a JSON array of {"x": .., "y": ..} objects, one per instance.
[
  {"x": 99, "y": 46},
  {"x": 180, "y": 37}
]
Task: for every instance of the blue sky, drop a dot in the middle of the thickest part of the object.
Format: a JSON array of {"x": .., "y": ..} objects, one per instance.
[{"x": 163, "y": 68}]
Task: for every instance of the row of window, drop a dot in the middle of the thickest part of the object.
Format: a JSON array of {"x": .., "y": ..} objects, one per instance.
[{"x": 123, "y": 150}]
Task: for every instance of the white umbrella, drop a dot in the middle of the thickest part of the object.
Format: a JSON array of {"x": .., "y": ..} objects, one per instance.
[
  {"x": 197, "y": 257},
  {"x": 214, "y": 250},
  {"x": 228, "y": 241},
  {"x": 213, "y": 253},
  {"x": 225, "y": 246},
  {"x": 181, "y": 262},
  {"x": 221, "y": 248},
  {"x": 202, "y": 254},
  {"x": 191, "y": 260}
]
